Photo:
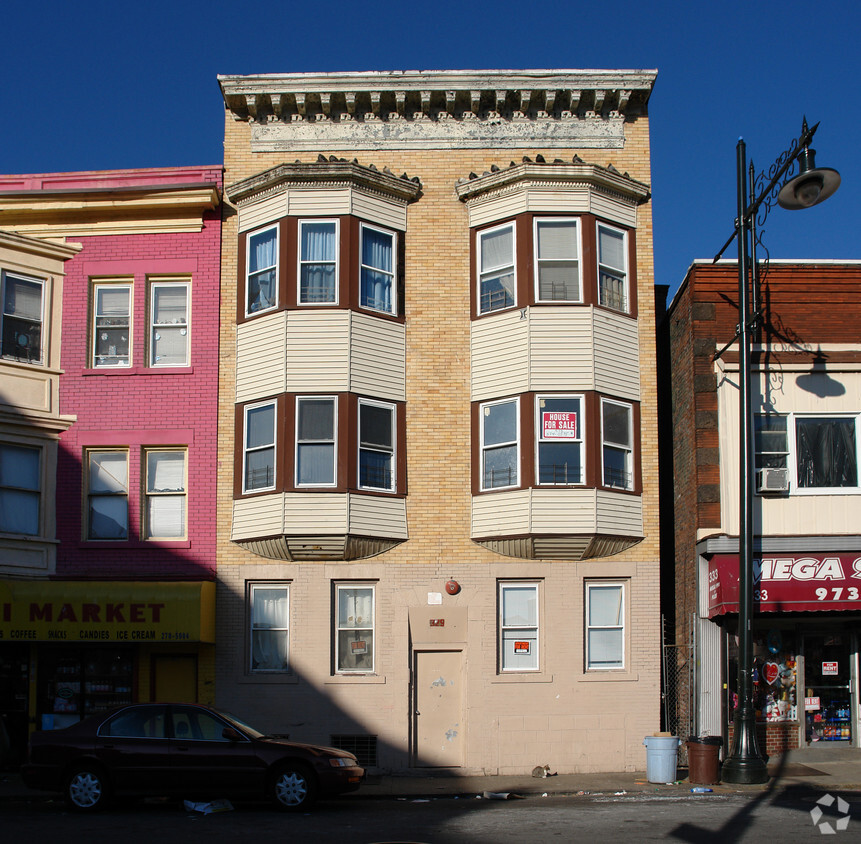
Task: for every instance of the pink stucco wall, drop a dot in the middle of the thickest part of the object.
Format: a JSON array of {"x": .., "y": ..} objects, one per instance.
[{"x": 139, "y": 406}]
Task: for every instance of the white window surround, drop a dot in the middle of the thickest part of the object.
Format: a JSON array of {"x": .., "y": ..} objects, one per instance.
[
  {"x": 499, "y": 441},
  {"x": 496, "y": 269},
  {"x": 377, "y": 457},
  {"x": 268, "y": 606},
  {"x": 256, "y": 454},
  {"x": 605, "y": 620},
  {"x": 322, "y": 257},
  {"x": 354, "y": 627},
  {"x": 22, "y": 318},
  {"x": 378, "y": 277},
  {"x": 559, "y": 255},
  {"x": 165, "y": 493},
  {"x": 613, "y": 286},
  {"x": 559, "y": 458},
  {"x": 113, "y": 303},
  {"x": 261, "y": 270},
  {"x": 519, "y": 629},
  {"x": 170, "y": 323},
  {"x": 788, "y": 457},
  {"x": 617, "y": 447},
  {"x": 316, "y": 454}
]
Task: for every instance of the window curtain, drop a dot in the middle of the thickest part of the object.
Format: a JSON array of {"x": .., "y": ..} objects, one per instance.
[
  {"x": 377, "y": 270},
  {"x": 611, "y": 248},
  {"x": 262, "y": 258},
  {"x": 170, "y": 326},
  {"x": 23, "y": 298},
  {"x": 319, "y": 243},
  {"x": 557, "y": 261},
  {"x": 19, "y": 490},
  {"x": 826, "y": 453},
  {"x": 112, "y": 302},
  {"x": 269, "y": 629},
  {"x": 166, "y": 513}
]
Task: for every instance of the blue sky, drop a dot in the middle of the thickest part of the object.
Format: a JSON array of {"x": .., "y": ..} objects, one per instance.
[{"x": 101, "y": 85}]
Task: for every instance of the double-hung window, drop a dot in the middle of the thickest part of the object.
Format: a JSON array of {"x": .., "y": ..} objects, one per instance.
[
  {"x": 605, "y": 625},
  {"x": 376, "y": 445},
  {"x": 23, "y": 313},
  {"x": 261, "y": 277},
  {"x": 315, "y": 440},
  {"x": 618, "y": 446},
  {"x": 165, "y": 504},
  {"x": 377, "y": 273},
  {"x": 20, "y": 489},
  {"x": 269, "y": 610},
  {"x": 499, "y": 438},
  {"x": 826, "y": 452},
  {"x": 518, "y": 626},
  {"x": 560, "y": 440},
  {"x": 318, "y": 262},
  {"x": 354, "y": 628},
  {"x": 169, "y": 329},
  {"x": 557, "y": 264},
  {"x": 258, "y": 453},
  {"x": 612, "y": 268},
  {"x": 496, "y": 276},
  {"x": 112, "y": 325},
  {"x": 107, "y": 494}
]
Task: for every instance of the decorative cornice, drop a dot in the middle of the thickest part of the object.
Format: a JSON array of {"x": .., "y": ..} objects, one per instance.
[
  {"x": 38, "y": 246},
  {"x": 325, "y": 172},
  {"x": 559, "y": 173}
]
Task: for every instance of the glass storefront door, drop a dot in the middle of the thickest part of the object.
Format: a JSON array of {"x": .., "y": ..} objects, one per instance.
[{"x": 827, "y": 680}]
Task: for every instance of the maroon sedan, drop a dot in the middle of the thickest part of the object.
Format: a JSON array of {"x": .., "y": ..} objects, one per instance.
[{"x": 182, "y": 750}]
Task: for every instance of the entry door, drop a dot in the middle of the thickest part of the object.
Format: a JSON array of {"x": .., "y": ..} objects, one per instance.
[
  {"x": 439, "y": 725},
  {"x": 174, "y": 678},
  {"x": 827, "y": 676}
]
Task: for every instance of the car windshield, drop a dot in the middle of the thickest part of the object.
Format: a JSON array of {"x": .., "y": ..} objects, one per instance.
[{"x": 238, "y": 722}]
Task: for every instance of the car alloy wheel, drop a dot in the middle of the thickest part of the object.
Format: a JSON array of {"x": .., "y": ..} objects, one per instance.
[
  {"x": 293, "y": 788},
  {"x": 86, "y": 790}
]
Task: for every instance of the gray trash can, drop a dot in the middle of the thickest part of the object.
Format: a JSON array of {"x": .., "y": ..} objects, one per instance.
[{"x": 661, "y": 757}]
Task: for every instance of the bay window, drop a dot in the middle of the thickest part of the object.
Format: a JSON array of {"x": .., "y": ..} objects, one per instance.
[
  {"x": 560, "y": 439},
  {"x": 20, "y": 489},
  {"x": 315, "y": 440},
  {"x": 22, "y": 317},
  {"x": 169, "y": 330},
  {"x": 261, "y": 277},
  {"x": 496, "y": 283},
  {"x": 258, "y": 453},
  {"x": 269, "y": 611},
  {"x": 499, "y": 439},
  {"x": 376, "y": 445},
  {"x": 518, "y": 626},
  {"x": 318, "y": 262},
  {"x": 612, "y": 268},
  {"x": 617, "y": 444},
  {"x": 556, "y": 245},
  {"x": 377, "y": 273},
  {"x": 354, "y": 628},
  {"x": 165, "y": 499},
  {"x": 107, "y": 477}
]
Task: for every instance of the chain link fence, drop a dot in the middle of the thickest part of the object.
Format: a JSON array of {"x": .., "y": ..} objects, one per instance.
[{"x": 678, "y": 669}]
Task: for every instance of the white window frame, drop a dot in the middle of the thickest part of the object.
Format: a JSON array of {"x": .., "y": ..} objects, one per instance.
[
  {"x": 370, "y": 447},
  {"x": 317, "y": 441},
  {"x": 156, "y": 283},
  {"x": 483, "y": 413},
  {"x": 13, "y": 484},
  {"x": 530, "y": 633},
  {"x": 540, "y": 438},
  {"x": 89, "y": 454},
  {"x": 128, "y": 286},
  {"x": 495, "y": 270},
  {"x": 620, "y": 625},
  {"x": 248, "y": 311},
  {"x": 301, "y": 262},
  {"x": 627, "y": 448},
  {"x": 578, "y": 261},
  {"x": 343, "y": 586},
  {"x": 5, "y": 316},
  {"x": 616, "y": 272},
  {"x": 393, "y": 310},
  {"x": 792, "y": 420},
  {"x": 273, "y": 445},
  {"x": 149, "y": 496},
  {"x": 256, "y": 627}
]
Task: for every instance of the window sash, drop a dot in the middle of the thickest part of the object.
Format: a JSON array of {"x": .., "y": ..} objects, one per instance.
[
  {"x": 169, "y": 334},
  {"x": 269, "y": 622},
  {"x": 605, "y": 626},
  {"x": 318, "y": 262},
  {"x": 617, "y": 439},
  {"x": 23, "y": 306},
  {"x": 258, "y": 470},
  {"x": 108, "y": 495},
  {"x": 557, "y": 260},
  {"x": 20, "y": 489},
  {"x": 497, "y": 277},
  {"x": 612, "y": 268},
  {"x": 354, "y": 629},
  {"x": 518, "y": 626},
  {"x": 377, "y": 446},
  {"x": 166, "y": 494},
  {"x": 771, "y": 441},
  {"x": 111, "y": 325},
  {"x": 261, "y": 277},
  {"x": 315, "y": 440},
  {"x": 559, "y": 423},
  {"x": 377, "y": 271},
  {"x": 500, "y": 438}
]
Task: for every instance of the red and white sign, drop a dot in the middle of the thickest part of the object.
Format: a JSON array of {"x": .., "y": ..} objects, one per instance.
[
  {"x": 811, "y": 704},
  {"x": 829, "y": 669},
  {"x": 559, "y": 425},
  {"x": 788, "y": 583},
  {"x": 521, "y": 647}
]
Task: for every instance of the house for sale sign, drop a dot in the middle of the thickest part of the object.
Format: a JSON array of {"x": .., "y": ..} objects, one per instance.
[{"x": 559, "y": 425}]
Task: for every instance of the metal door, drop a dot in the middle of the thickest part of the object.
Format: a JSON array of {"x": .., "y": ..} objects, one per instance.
[{"x": 439, "y": 723}]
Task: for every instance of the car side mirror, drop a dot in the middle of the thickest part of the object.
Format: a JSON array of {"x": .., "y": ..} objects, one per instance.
[{"x": 230, "y": 734}]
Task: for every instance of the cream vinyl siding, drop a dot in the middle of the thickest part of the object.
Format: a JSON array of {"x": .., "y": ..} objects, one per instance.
[
  {"x": 372, "y": 515},
  {"x": 315, "y": 514},
  {"x": 564, "y": 511},
  {"x": 318, "y": 351},
  {"x": 377, "y": 357},
  {"x": 500, "y": 355},
  {"x": 561, "y": 349},
  {"x": 377, "y": 209},
  {"x": 501, "y": 513},
  {"x": 264, "y": 211},
  {"x": 617, "y": 355},
  {"x": 620, "y": 515},
  {"x": 261, "y": 360},
  {"x": 262, "y": 515}
]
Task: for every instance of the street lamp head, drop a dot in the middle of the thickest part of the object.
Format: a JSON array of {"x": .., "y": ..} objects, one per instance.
[{"x": 811, "y": 186}]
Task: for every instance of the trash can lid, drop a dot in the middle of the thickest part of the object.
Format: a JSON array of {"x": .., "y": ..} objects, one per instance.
[{"x": 705, "y": 739}]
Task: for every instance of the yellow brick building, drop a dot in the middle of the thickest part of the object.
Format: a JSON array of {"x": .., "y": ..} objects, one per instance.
[{"x": 438, "y": 502}]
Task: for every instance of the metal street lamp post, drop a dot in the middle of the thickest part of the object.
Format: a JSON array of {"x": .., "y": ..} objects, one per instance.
[{"x": 809, "y": 187}]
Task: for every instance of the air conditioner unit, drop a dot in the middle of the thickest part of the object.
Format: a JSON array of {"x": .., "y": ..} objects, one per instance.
[{"x": 772, "y": 480}]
